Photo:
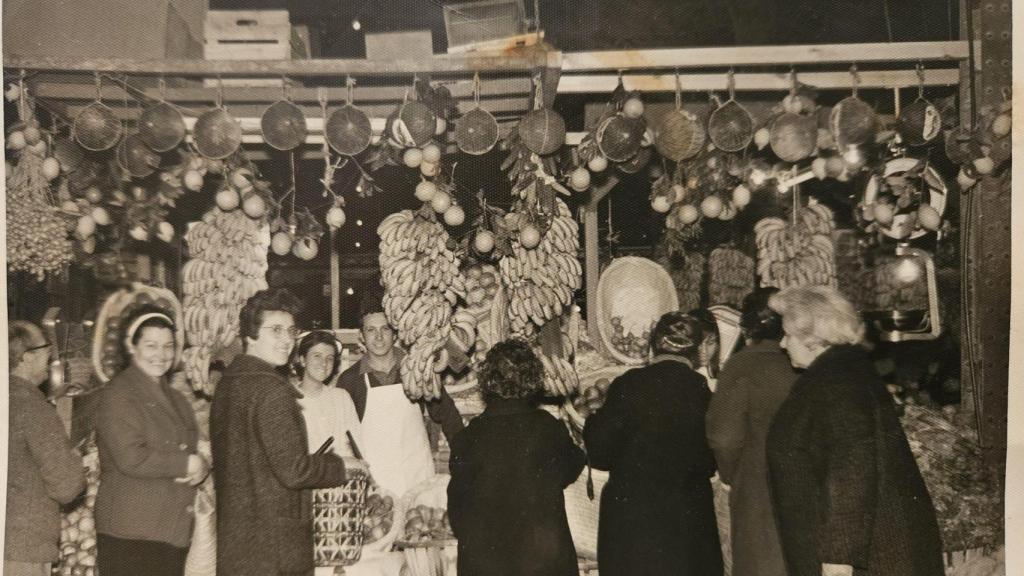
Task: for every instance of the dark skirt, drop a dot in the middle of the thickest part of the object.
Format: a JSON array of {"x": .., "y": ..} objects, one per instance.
[{"x": 124, "y": 557}]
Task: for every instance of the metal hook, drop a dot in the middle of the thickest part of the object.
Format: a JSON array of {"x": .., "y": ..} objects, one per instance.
[
  {"x": 855, "y": 77},
  {"x": 220, "y": 91},
  {"x": 679, "y": 91},
  {"x": 99, "y": 85},
  {"x": 792, "y": 81},
  {"x": 732, "y": 84},
  {"x": 476, "y": 89},
  {"x": 920, "y": 81}
]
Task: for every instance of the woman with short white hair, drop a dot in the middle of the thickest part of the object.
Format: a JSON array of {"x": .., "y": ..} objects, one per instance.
[{"x": 846, "y": 489}]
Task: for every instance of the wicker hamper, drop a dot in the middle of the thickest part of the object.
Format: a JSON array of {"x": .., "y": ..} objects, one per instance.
[{"x": 338, "y": 522}]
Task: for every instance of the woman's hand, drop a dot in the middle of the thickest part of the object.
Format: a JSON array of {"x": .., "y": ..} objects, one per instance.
[
  {"x": 355, "y": 465},
  {"x": 836, "y": 570},
  {"x": 198, "y": 469}
]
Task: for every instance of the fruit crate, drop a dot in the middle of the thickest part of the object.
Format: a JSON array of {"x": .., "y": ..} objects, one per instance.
[{"x": 247, "y": 35}]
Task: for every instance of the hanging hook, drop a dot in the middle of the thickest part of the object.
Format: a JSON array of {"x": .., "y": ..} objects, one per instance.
[
  {"x": 679, "y": 91},
  {"x": 162, "y": 87},
  {"x": 284, "y": 87},
  {"x": 99, "y": 85},
  {"x": 920, "y": 81},
  {"x": 321, "y": 97},
  {"x": 476, "y": 89},
  {"x": 792, "y": 81},
  {"x": 732, "y": 84},
  {"x": 350, "y": 83},
  {"x": 855, "y": 78},
  {"x": 220, "y": 91}
]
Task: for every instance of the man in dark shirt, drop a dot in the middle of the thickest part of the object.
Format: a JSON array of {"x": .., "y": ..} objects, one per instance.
[{"x": 395, "y": 439}]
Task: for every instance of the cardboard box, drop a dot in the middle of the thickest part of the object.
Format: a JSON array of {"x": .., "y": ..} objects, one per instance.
[{"x": 247, "y": 35}]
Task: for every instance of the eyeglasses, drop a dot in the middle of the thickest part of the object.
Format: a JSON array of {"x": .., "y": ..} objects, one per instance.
[{"x": 279, "y": 331}]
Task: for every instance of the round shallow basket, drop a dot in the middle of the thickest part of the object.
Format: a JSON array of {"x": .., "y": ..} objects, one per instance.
[
  {"x": 217, "y": 134},
  {"x": 384, "y": 543},
  {"x": 97, "y": 128},
  {"x": 338, "y": 522},
  {"x": 283, "y": 125},
  {"x": 731, "y": 128},
  {"x": 637, "y": 290},
  {"x": 161, "y": 127},
  {"x": 348, "y": 130},
  {"x": 937, "y": 193},
  {"x": 583, "y": 512},
  {"x": 476, "y": 132}
]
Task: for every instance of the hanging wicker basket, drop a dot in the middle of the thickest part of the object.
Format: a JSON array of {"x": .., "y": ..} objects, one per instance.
[
  {"x": 97, "y": 128},
  {"x": 542, "y": 131},
  {"x": 731, "y": 128},
  {"x": 679, "y": 136},
  {"x": 348, "y": 130},
  {"x": 476, "y": 132},
  {"x": 920, "y": 123},
  {"x": 793, "y": 137},
  {"x": 413, "y": 124},
  {"x": 217, "y": 134},
  {"x": 618, "y": 137},
  {"x": 338, "y": 515},
  {"x": 283, "y": 125},
  {"x": 161, "y": 127},
  {"x": 138, "y": 159}
]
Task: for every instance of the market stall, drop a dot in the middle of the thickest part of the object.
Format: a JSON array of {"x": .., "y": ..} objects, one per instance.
[{"x": 782, "y": 179}]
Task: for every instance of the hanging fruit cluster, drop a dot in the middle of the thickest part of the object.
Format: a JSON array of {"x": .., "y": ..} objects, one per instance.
[
  {"x": 422, "y": 283},
  {"x": 621, "y": 136},
  {"x": 731, "y": 276},
  {"x": 797, "y": 254},
  {"x": 984, "y": 151},
  {"x": 541, "y": 279},
  {"x": 904, "y": 199},
  {"x": 37, "y": 235},
  {"x": 227, "y": 265}
]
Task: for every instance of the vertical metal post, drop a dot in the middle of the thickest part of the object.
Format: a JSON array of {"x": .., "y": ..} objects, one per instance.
[{"x": 335, "y": 281}]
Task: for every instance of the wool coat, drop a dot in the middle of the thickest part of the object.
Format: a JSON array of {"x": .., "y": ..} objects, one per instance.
[
  {"x": 506, "y": 506},
  {"x": 752, "y": 385},
  {"x": 262, "y": 472},
  {"x": 845, "y": 486},
  {"x": 145, "y": 431},
  {"x": 657, "y": 509},
  {"x": 43, "y": 472}
]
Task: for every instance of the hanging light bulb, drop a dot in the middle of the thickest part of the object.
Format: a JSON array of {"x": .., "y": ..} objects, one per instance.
[
  {"x": 356, "y": 24},
  {"x": 350, "y": 291},
  {"x": 907, "y": 271}
]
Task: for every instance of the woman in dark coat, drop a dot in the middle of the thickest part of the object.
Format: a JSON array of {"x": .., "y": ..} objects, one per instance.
[
  {"x": 657, "y": 509},
  {"x": 509, "y": 469},
  {"x": 847, "y": 492},
  {"x": 751, "y": 387}
]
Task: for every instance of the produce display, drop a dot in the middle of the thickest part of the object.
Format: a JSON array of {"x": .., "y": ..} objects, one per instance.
[
  {"x": 228, "y": 264},
  {"x": 899, "y": 284},
  {"x": 797, "y": 254},
  {"x": 731, "y": 276},
  {"x": 380, "y": 516},
  {"x": 422, "y": 283},
  {"x": 107, "y": 354},
  {"x": 591, "y": 398},
  {"x": 541, "y": 281},
  {"x": 688, "y": 278},
  {"x": 77, "y": 526},
  {"x": 423, "y": 523},
  {"x": 37, "y": 236},
  {"x": 560, "y": 377},
  {"x": 632, "y": 345}
]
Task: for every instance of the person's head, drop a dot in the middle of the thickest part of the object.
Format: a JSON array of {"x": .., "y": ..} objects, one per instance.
[
  {"x": 267, "y": 325},
  {"x": 815, "y": 318},
  {"x": 758, "y": 321},
  {"x": 677, "y": 334},
  {"x": 707, "y": 352},
  {"x": 317, "y": 356},
  {"x": 378, "y": 335},
  {"x": 28, "y": 351},
  {"x": 511, "y": 371},
  {"x": 149, "y": 340}
]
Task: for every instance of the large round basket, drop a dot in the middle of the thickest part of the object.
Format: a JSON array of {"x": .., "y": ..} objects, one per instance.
[
  {"x": 134, "y": 156},
  {"x": 283, "y": 125},
  {"x": 731, "y": 128},
  {"x": 338, "y": 522},
  {"x": 161, "y": 127},
  {"x": 618, "y": 137},
  {"x": 542, "y": 131},
  {"x": 793, "y": 137},
  {"x": 637, "y": 291},
  {"x": 935, "y": 195},
  {"x": 217, "y": 134},
  {"x": 679, "y": 135},
  {"x": 413, "y": 124},
  {"x": 919, "y": 123},
  {"x": 476, "y": 132},
  {"x": 852, "y": 121},
  {"x": 97, "y": 128},
  {"x": 348, "y": 130}
]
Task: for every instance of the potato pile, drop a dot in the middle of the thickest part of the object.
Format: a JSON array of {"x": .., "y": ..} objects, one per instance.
[
  {"x": 78, "y": 529},
  {"x": 423, "y": 523},
  {"x": 380, "y": 515}
]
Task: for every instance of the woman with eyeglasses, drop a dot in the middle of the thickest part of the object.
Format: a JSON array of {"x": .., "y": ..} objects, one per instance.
[
  {"x": 328, "y": 411},
  {"x": 149, "y": 467}
]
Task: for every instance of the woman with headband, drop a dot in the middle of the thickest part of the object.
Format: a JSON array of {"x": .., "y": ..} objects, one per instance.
[
  {"x": 149, "y": 467},
  {"x": 328, "y": 411},
  {"x": 657, "y": 509}
]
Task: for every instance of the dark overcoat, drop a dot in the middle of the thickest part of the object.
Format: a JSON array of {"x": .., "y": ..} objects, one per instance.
[
  {"x": 509, "y": 469},
  {"x": 845, "y": 485},
  {"x": 657, "y": 509},
  {"x": 262, "y": 472},
  {"x": 752, "y": 385}
]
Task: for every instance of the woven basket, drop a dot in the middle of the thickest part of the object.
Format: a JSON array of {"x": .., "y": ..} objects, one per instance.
[
  {"x": 385, "y": 543},
  {"x": 582, "y": 511},
  {"x": 338, "y": 522},
  {"x": 639, "y": 291}
]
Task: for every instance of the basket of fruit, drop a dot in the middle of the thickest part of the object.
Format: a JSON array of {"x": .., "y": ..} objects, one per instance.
[
  {"x": 382, "y": 523},
  {"x": 632, "y": 295},
  {"x": 338, "y": 515},
  {"x": 77, "y": 526},
  {"x": 427, "y": 541},
  {"x": 591, "y": 393}
]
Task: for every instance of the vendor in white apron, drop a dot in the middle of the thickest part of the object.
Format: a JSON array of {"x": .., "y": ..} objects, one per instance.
[{"x": 395, "y": 441}]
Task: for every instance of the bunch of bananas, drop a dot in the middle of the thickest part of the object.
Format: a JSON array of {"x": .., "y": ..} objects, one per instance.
[
  {"x": 422, "y": 284},
  {"x": 731, "y": 276},
  {"x": 560, "y": 378},
  {"x": 228, "y": 265},
  {"x": 541, "y": 281},
  {"x": 801, "y": 254}
]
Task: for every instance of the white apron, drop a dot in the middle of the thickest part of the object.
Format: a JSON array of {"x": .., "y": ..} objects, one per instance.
[{"x": 395, "y": 443}]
